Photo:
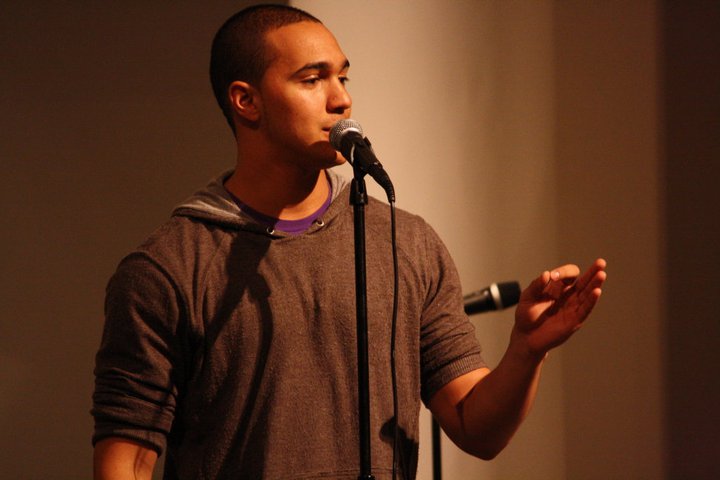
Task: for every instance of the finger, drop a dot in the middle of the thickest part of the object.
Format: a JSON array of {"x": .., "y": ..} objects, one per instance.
[
  {"x": 565, "y": 274},
  {"x": 588, "y": 297},
  {"x": 594, "y": 277},
  {"x": 536, "y": 287},
  {"x": 587, "y": 304},
  {"x": 560, "y": 279}
]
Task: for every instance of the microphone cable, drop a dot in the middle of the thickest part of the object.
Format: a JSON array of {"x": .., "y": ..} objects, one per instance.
[{"x": 393, "y": 330}]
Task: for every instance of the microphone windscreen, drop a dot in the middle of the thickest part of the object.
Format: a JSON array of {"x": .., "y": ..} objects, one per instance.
[{"x": 341, "y": 127}]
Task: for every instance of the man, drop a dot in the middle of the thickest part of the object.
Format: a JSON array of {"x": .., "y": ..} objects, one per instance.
[{"x": 229, "y": 338}]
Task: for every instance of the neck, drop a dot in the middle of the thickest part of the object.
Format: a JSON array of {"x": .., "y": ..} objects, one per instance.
[{"x": 278, "y": 190}]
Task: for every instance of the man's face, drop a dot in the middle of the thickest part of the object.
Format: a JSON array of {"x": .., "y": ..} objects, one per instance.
[{"x": 303, "y": 94}]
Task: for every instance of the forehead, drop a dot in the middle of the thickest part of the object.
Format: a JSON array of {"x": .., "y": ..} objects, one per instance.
[{"x": 298, "y": 44}]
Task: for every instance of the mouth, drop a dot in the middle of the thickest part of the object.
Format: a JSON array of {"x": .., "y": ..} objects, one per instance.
[{"x": 330, "y": 127}]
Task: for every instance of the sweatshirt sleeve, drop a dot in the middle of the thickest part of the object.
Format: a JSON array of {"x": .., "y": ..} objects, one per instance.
[
  {"x": 448, "y": 346},
  {"x": 137, "y": 366}
]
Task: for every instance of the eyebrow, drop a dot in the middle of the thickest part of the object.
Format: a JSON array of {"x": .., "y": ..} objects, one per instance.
[{"x": 321, "y": 66}]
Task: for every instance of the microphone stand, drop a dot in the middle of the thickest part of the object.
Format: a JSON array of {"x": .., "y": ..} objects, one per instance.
[
  {"x": 508, "y": 294},
  {"x": 359, "y": 198},
  {"x": 436, "y": 451}
]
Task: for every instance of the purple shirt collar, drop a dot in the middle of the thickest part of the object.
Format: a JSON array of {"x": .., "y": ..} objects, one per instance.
[{"x": 293, "y": 227}]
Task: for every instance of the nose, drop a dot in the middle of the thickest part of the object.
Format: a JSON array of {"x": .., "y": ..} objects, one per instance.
[{"x": 339, "y": 99}]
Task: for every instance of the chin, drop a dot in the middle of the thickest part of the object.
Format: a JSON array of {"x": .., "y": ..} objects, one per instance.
[
  {"x": 339, "y": 159},
  {"x": 327, "y": 156},
  {"x": 332, "y": 163}
]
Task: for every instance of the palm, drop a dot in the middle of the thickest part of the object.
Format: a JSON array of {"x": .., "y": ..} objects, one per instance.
[{"x": 551, "y": 309}]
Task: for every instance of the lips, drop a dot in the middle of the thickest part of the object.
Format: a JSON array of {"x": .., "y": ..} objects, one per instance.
[{"x": 329, "y": 127}]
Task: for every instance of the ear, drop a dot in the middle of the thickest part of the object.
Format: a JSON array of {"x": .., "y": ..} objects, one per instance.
[{"x": 244, "y": 100}]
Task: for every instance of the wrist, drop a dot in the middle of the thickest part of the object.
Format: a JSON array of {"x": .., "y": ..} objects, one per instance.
[{"x": 522, "y": 349}]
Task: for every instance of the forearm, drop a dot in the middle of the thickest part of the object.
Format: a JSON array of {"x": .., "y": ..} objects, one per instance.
[
  {"x": 481, "y": 410},
  {"x": 119, "y": 459},
  {"x": 496, "y": 406}
]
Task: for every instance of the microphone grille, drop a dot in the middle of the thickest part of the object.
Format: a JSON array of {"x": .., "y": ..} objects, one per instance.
[{"x": 341, "y": 127}]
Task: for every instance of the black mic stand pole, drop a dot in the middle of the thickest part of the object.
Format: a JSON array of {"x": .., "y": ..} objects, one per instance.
[
  {"x": 359, "y": 198},
  {"x": 436, "y": 451}
]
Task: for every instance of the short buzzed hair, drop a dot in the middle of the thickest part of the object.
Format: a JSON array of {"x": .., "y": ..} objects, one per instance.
[{"x": 238, "y": 49}]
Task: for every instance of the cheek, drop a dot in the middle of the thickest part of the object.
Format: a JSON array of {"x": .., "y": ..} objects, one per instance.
[{"x": 294, "y": 115}]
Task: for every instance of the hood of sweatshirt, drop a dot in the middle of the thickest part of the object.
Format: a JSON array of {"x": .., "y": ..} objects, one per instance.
[{"x": 214, "y": 204}]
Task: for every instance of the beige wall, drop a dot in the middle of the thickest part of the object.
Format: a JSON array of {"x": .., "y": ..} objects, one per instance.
[
  {"x": 608, "y": 156},
  {"x": 526, "y": 132},
  {"x": 440, "y": 92}
]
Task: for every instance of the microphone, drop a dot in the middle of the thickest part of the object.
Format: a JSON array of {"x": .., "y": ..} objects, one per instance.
[
  {"x": 346, "y": 136},
  {"x": 495, "y": 297}
]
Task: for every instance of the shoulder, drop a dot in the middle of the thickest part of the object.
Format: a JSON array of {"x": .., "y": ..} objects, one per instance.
[
  {"x": 413, "y": 231},
  {"x": 183, "y": 238},
  {"x": 170, "y": 255}
]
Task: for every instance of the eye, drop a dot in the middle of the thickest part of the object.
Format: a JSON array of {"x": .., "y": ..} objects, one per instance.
[
  {"x": 311, "y": 80},
  {"x": 344, "y": 80}
]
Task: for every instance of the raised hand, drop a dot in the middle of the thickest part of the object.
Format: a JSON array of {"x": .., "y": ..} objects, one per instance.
[{"x": 555, "y": 305}]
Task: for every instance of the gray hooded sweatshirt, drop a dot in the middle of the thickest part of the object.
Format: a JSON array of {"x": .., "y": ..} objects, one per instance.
[{"x": 232, "y": 349}]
